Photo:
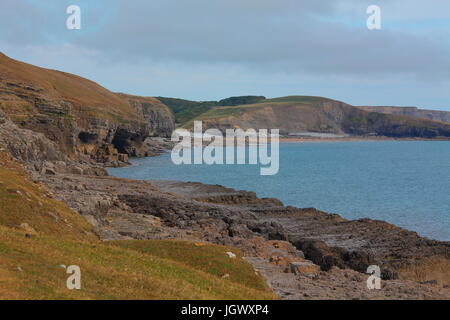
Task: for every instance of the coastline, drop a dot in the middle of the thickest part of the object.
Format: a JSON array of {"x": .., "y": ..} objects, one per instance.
[
  {"x": 228, "y": 141},
  {"x": 389, "y": 210},
  {"x": 60, "y": 207},
  {"x": 355, "y": 139},
  {"x": 294, "y": 249},
  {"x": 302, "y": 253}
]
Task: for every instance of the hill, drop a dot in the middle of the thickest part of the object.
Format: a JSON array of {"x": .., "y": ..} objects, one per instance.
[
  {"x": 413, "y": 112},
  {"x": 79, "y": 115},
  {"x": 186, "y": 110},
  {"x": 299, "y": 114}
]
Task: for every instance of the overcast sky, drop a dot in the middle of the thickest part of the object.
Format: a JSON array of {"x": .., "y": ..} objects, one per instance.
[{"x": 211, "y": 49}]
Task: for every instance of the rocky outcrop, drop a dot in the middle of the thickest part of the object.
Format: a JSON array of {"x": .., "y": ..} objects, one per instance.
[
  {"x": 300, "y": 114},
  {"x": 78, "y": 115},
  {"x": 303, "y": 253},
  {"x": 360, "y": 122},
  {"x": 413, "y": 112},
  {"x": 156, "y": 114},
  {"x": 331, "y": 241},
  {"x": 326, "y": 239},
  {"x": 39, "y": 154},
  {"x": 60, "y": 126}
]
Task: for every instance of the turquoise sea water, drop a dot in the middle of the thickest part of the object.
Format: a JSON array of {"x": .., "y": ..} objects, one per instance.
[{"x": 406, "y": 183}]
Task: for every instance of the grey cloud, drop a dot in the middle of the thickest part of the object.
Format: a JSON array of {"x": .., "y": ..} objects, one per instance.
[
  {"x": 291, "y": 36},
  {"x": 276, "y": 47}
]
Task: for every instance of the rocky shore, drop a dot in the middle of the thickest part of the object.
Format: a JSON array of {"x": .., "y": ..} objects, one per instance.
[
  {"x": 65, "y": 130},
  {"x": 303, "y": 253}
]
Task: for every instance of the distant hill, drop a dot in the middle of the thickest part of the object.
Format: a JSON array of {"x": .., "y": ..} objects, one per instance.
[
  {"x": 186, "y": 110},
  {"x": 84, "y": 118},
  {"x": 414, "y": 112},
  {"x": 295, "y": 114}
]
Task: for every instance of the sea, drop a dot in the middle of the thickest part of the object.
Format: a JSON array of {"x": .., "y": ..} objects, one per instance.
[{"x": 406, "y": 183}]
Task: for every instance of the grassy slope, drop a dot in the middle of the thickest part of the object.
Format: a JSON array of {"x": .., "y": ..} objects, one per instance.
[
  {"x": 186, "y": 110},
  {"x": 223, "y": 111},
  {"x": 433, "y": 268},
  {"x": 86, "y": 96},
  {"x": 22, "y": 201},
  {"x": 306, "y": 103},
  {"x": 320, "y": 112},
  {"x": 30, "y": 262},
  {"x": 201, "y": 256},
  {"x": 111, "y": 272}
]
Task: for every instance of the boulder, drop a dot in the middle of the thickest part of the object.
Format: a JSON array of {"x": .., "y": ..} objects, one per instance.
[
  {"x": 305, "y": 268},
  {"x": 28, "y": 229}
]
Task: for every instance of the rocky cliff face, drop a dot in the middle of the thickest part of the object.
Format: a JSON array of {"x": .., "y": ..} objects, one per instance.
[
  {"x": 315, "y": 114},
  {"x": 39, "y": 154},
  {"x": 80, "y": 116},
  {"x": 435, "y": 115},
  {"x": 156, "y": 114}
]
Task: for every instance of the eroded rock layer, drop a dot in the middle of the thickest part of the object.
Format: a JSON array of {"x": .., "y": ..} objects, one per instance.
[{"x": 80, "y": 116}]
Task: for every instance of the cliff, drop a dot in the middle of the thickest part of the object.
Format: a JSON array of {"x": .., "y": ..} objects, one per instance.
[
  {"x": 414, "y": 112},
  {"x": 297, "y": 114},
  {"x": 301, "y": 253},
  {"x": 80, "y": 116}
]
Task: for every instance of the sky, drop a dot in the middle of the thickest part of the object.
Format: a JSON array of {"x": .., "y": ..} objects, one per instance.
[{"x": 213, "y": 49}]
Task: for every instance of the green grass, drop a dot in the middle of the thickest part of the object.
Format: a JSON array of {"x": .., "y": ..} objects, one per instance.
[
  {"x": 22, "y": 201},
  {"x": 185, "y": 111},
  {"x": 30, "y": 260},
  {"x": 111, "y": 271},
  {"x": 205, "y": 257},
  {"x": 237, "y": 111},
  {"x": 56, "y": 85},
  {"x": 299, "y": 99}
]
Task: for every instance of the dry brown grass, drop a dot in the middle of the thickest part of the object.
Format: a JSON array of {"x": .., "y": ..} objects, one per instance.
[
  {"x": 30, "y": 263},
  {"x": 22, "y": 201},
  {"x": 64, "y": 86},
  {"x": 434, "y": 268},
  {"x": 113, "y": 272}
]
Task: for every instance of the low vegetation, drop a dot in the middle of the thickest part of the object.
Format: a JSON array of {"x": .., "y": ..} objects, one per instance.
[
  {"x": 309, "y": 113},
  {"x": 86, "y": 96},
  {"x": 39, "y": 236},
  {"x": 201, "y": 256},
  {"x": 429, "y": 269},
  {"x": 186, "y": 110}
]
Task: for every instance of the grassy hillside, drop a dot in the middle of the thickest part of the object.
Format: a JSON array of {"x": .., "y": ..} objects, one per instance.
[
  {"x": 22, "y": 79},
  {"x": 25, "y": 202},
  {"x": 31, "y": 269},
  {"x": 79, "y": 115},
  {"x": 317, "y": 114},
  {"x": 186, "y": 110},
  {"x": 289, "y": 114},
  {"x": 39, "y": 234}
]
